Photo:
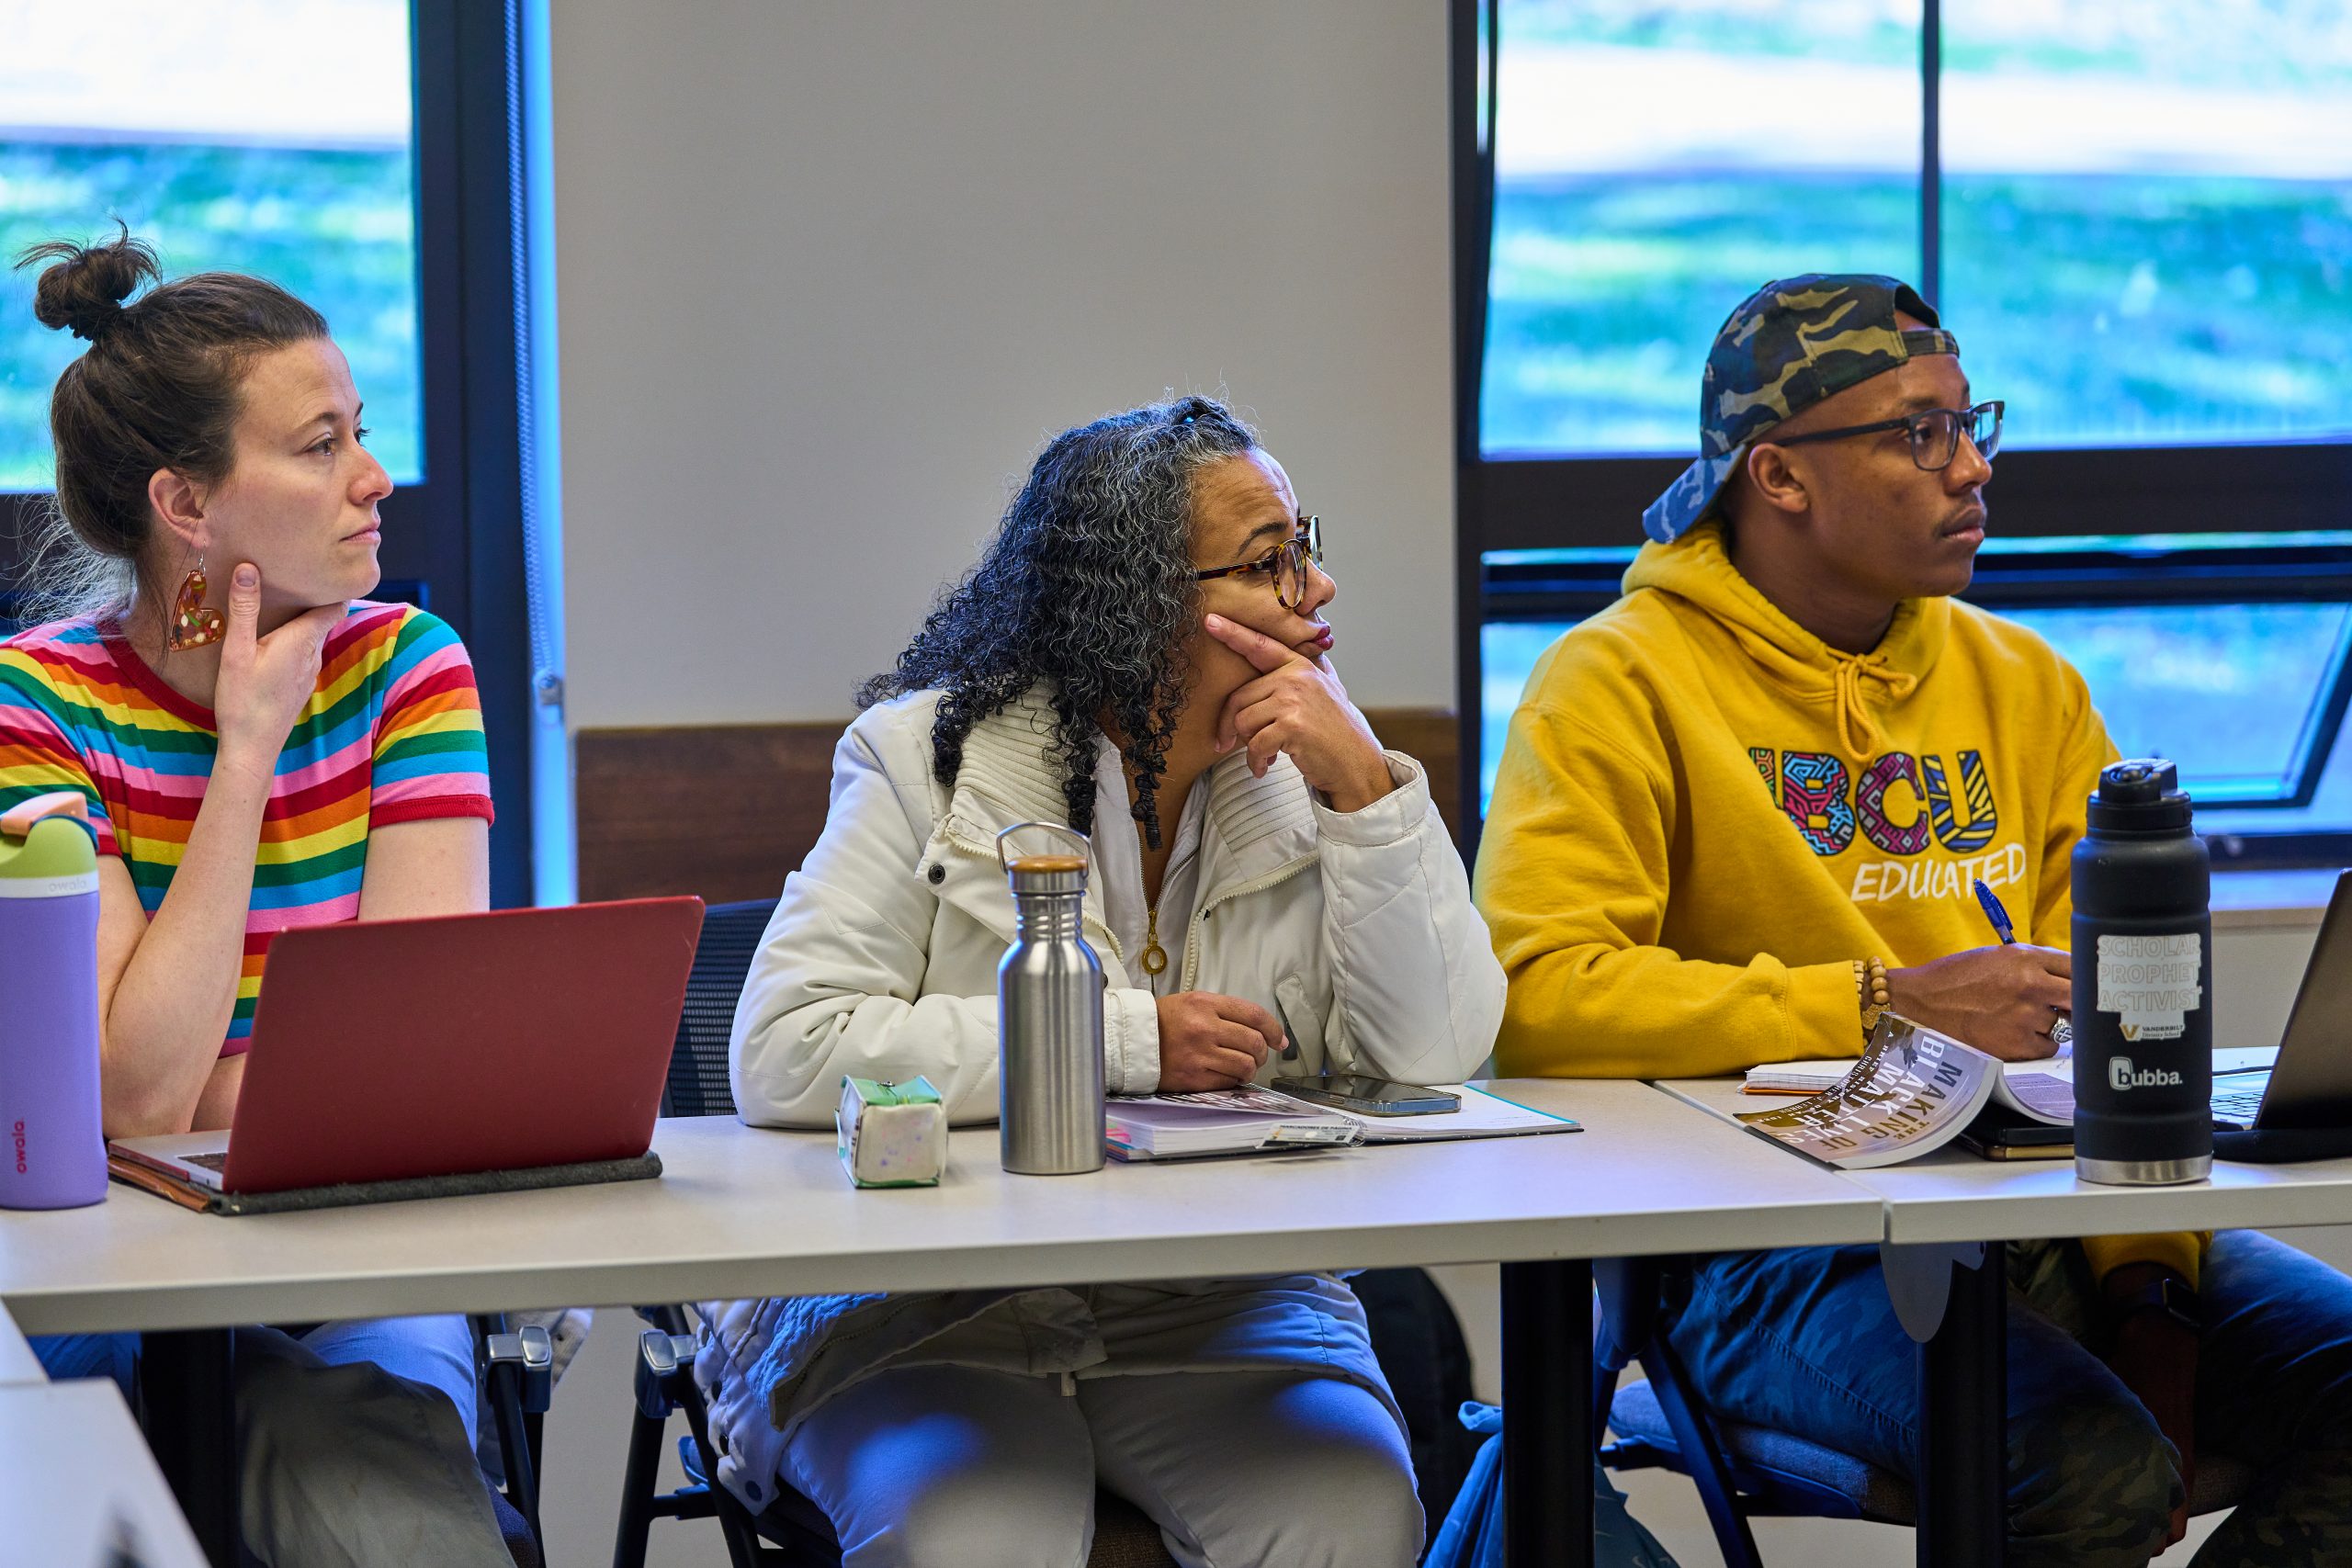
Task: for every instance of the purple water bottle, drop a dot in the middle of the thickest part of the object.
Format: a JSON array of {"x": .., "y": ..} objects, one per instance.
[{"x": 52, "y": 1137}]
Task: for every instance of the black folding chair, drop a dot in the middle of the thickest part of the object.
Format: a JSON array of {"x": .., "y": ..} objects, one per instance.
[
  {"x": 697, "y": 1085},
  {"x": 1742, "y": 1471},
  {"x": 517, "y": 1371}
]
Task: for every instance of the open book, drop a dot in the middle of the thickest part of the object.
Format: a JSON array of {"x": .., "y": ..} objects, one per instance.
[
  {"x": 2039, "y": 1091},
  {"x": 1913, "y": 1091},
  {"x": 1254, "y": 1117}
]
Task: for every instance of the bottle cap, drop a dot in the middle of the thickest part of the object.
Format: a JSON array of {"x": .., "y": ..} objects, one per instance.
[
  {"x": 2141, "y": 795},
  {"x": 48, "y": 849},
  {"x": 1056, "y": 871}
]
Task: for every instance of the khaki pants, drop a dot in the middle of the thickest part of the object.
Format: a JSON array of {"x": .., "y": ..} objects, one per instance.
[
  {"x": 956, "y": 1467},
  {"x": 357, "y": 1444}
]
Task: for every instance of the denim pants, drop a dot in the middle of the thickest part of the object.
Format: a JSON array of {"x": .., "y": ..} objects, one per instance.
[
  {"x": 1807, "y": 1342},
  {"x": 355, "y": 1441}
]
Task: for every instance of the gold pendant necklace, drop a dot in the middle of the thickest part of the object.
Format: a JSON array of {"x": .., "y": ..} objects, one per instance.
[{"x": 1154, "y": 957}]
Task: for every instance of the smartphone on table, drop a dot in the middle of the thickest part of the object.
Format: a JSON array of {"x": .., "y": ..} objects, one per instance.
[{"x": 1371, "y": 1096}]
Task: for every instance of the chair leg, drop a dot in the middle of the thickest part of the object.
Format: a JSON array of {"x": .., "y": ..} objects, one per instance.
[
  {"x": 665, "y": 1385},
  {"x": 522, "y": 1469},
  {"x": 1702, "y": 1456},
  {"x": 743, "y": 1547},
  {"x": 633, "y": 1536},
  {"x": 510, "y": 1368}
]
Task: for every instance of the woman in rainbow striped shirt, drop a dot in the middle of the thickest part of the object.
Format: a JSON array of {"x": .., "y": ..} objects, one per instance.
[{"x": 261, "y": 749}]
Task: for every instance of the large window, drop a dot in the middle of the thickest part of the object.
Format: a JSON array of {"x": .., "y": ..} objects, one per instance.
[
  {"x": 2232, "y": 662},
  {"x": 2147, "y": 215},
  {"x": 2138, "y": 219},
  {"x": 368, "y": 155},
  {"x": 1656, "y": 162},
  {"x": 262, "y": 136}
]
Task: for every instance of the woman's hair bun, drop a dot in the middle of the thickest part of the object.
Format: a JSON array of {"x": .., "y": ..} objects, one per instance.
[{"x": 85, "y": 291}]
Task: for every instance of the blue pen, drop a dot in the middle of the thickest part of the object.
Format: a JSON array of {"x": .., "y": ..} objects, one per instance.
[
  {"x": 2061, "y": 1033},
  {"x": 1994, "y": 913}
]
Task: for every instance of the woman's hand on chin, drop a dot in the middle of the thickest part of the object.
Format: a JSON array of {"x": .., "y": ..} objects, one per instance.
[
  {"x": 266, "y": 681},
  {"x": 1297, "y": 706}
]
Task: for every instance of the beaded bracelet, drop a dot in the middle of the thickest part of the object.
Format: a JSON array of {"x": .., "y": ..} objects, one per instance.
[{"x": 1869, "y": 990}]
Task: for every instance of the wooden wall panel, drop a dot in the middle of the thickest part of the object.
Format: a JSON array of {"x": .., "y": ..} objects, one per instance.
[
  {"x": 720, "y": 811},
  {"x": 1432, "y": 737},
  {"x": 727, "y": 810}
]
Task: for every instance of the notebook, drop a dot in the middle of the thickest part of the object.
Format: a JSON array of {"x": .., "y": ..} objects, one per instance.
[{"x": 1254, "y": 1119}]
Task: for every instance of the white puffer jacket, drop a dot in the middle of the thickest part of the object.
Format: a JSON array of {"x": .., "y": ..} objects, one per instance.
[{"x": 881, "y": 962}]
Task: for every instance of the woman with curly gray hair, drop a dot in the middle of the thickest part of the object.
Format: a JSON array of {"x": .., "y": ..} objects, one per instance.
[{"x": 1141, "y": 653}]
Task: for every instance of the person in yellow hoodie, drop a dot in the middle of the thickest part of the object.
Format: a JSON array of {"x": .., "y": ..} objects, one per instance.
[{"x": 1752, "y": 796}]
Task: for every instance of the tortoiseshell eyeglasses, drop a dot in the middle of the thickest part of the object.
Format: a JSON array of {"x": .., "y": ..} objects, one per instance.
[{"x": 1287, "y": 563}]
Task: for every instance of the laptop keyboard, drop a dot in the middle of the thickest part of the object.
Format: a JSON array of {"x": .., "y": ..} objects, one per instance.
[
  {"x": 2237, "y": 1107},
  {"x": 214, "y": 1163}
]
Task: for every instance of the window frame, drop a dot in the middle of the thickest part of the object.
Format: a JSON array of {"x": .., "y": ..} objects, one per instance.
[
  {"x": 452, "y": 540},
  {"x": 1505, "y": 502}
]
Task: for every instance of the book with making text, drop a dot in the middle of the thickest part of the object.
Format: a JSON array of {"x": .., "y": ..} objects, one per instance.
[{"x": 1913, "y": 1091}]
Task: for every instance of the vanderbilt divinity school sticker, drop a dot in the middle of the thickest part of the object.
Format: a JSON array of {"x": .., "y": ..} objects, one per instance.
[{"x": 2151, "y": 983}]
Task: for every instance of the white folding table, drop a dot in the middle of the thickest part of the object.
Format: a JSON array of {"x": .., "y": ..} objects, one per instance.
[
  {"x": 17, "y": 1363},
  {"x": 77, "y": 1484},
  {"x": 741, "y": 1212},
  {"x": 1949, "y": 1217}
]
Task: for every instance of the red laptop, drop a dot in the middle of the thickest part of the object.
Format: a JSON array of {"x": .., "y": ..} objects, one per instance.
[{"x": 451, "y": 1046}]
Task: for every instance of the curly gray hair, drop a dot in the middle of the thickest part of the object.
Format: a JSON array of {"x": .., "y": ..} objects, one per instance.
[{"x": 1087, "y": 588}]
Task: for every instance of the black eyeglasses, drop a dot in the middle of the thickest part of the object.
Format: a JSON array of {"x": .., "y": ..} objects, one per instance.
[
  {"x": 1935, "y": 433},
  {"x": 1287, "y": 563}
]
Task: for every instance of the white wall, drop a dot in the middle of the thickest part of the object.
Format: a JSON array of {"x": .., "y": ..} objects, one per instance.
[{"x": 830, "y": 270}]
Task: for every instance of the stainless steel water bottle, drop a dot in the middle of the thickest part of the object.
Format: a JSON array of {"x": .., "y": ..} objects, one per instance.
[
  {"x": 2143, "y": 983},
  {"x": 53, "y": 1136},
  {"x": 1049, "y": 1015}
]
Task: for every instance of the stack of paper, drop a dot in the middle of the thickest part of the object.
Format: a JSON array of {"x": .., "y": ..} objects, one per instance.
[{"x": 1797, "y": 1077}]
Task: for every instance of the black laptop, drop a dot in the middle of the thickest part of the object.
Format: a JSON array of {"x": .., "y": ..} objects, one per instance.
[{"x": 2309, "y": 1087}]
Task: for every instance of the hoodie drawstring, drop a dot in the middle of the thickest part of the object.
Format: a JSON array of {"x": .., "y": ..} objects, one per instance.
[{"x": 1855, "y": 727}]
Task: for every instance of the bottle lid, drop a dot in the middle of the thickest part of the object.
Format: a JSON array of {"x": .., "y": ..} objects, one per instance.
[
  {"x": 1055, "y": 871},
  {"x": 48, "y": 849},
  {"x": 2141, "y": 795}
]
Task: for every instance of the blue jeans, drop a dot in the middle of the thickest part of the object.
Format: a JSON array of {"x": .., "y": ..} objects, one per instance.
[
  {"x": 435, "y": 1351},
  {"x": 66, "y": 1357},
  {"x": 1807, "y": 1342}
]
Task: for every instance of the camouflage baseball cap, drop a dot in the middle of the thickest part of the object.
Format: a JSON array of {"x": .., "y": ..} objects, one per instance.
[{"x": 1790, "y": 344}]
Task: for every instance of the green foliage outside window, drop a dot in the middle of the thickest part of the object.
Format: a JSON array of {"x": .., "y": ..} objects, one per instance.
[{"x": 336, "y": 228}]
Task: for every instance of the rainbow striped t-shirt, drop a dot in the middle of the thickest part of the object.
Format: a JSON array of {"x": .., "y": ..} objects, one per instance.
[{"x": 392, "y": 733}]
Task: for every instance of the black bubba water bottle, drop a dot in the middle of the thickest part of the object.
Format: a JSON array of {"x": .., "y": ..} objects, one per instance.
[{"x": 2143, "y": 980}]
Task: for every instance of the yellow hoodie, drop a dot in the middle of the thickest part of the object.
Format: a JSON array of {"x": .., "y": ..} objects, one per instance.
[{"x": 1704, "y": 814}]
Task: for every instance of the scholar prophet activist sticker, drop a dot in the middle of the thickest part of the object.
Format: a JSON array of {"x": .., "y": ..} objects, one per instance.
[{"x": 2152, "y": 983}]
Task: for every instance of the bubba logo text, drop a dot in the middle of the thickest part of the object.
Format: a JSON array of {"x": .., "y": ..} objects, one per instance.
[{"x": 2122, "y": 1075}]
